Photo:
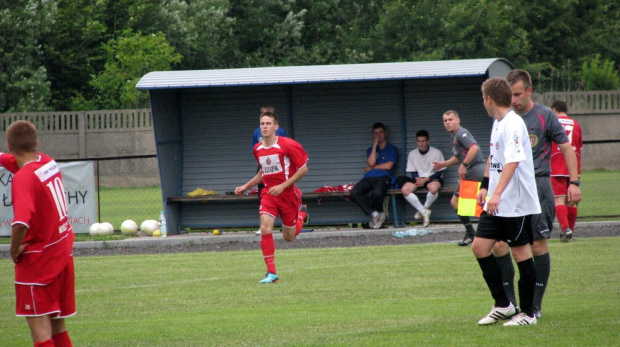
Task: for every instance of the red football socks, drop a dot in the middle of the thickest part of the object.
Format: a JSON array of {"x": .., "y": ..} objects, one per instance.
[
  {"x": 572, "y": 217},
  {"x": 46, "y": 343},
  {"x": 561, "y": 213},
  {"x": 62, "y": 339},
  {"x": 268, "y": 246},
  {"x": 301, "y": 215}
]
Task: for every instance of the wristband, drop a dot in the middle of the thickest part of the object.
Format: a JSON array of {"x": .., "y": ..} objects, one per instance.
[
  {"x": 464, "y": 163},
  {"x": 485, "y": 183}
]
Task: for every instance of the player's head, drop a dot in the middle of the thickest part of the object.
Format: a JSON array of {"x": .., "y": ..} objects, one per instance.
[
  {"x": 559, "y": 106},
  {"x": 496, "y": 92},
  {"x": 521, "y": 86},
  {"x": 21, "y": 137},
  {"x": 265, "y": 109},
  {"x": 379, "y": 131},
  {"x": 451, "y": 121},
  {"x": 422, "y": 139},
  {"x": 268, "y": 124}
]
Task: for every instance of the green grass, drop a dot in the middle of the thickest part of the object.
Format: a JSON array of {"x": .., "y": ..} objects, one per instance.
[
  {"x": 414, "y": 295},
  {"x": 600, "y": 194}
]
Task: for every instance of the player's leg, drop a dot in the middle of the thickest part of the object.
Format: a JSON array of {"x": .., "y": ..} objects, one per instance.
[
  {"x": 377, "y": 196},
  {"x": 268, "y": 213},
  {"x": 501, "y": 251},
  {"x": 40, "y": 329},
  {"x": 518, "y": 231},
  {"x": 66, "y": 299},
  {"x": 432, "y": 195},
  {"x": 488, "y": 231},
  {"x": 543, "y": 225},
  {"x": 268, "y": 246},
  {"x": 468, "y": 238},
  {"x": 60, "y": 335},
  {"x": 571, "y": 208},
  {"x": 407, "y": 188},
  {"x": 560, "y": 187},
  {"x": 527, "y": 280},
  {"x": 358, "y": 195},
  {"x": 292, "y": 213}
]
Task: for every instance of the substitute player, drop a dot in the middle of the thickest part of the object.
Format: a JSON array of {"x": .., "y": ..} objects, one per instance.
[
  {"x": 467, "y": 155},
  {"x": 565, "y": 210},
  {"x": 41, "y": 238},
  {"x": 510, "y": 185},
  {"x": 543, "y": 128},
  {"x": 282, "y": 163}
]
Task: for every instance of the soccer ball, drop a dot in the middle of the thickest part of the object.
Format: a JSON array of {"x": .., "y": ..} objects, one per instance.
[
  {"x": 95, "y": 229},
  {"x": 106, "y": 229},
  {"x": 216, "y": 232},
  {"x": 129, "y": 227},
  {"x": 149, "y": 226}
]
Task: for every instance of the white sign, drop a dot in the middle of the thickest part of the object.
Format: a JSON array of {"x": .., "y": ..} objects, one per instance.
[{"x": 79, "y": 184}]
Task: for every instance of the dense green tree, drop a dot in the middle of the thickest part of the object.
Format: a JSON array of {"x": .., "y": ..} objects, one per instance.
[
  {"x": 128, "y": 59},
  {"x": 56, "y": 53},
  {"x": 24, "y": 84}
]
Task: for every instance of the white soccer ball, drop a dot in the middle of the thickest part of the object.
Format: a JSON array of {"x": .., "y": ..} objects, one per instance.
[
  {"x": 107, "y": 228},
  {"x": 95, "y": 229},
  {"x": 129, "y": 227},
  {"x": 149, "y": 226}
]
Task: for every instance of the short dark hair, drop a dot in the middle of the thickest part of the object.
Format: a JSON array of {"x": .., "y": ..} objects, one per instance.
[
  {"x": 559, "y": 106},
  {"x": 379, "y": 125},
  {"x": 499, "y": 90},
  {"x": 22, "y": 136},
  {"x": 422, "y": 133},
  {"x": 273, "y": 115},
  {"x": 515, "y": 76}
]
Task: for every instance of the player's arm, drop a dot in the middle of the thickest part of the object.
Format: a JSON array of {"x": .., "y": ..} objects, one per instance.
[
  {"x": 254, "y": 181},
  {"x": 504, "y": 179},
  {"x": 484, "y": 187},
  {"x": 388, "y": 165},
  {"x": 372, "y": 156},
  {"x": 471, "y": 154},
  {"x": 438, "y": 165},
  {"x": 574, "y": 193},
  {"x": 276, "y": 190},
  {"x": 18, "y": 233}
]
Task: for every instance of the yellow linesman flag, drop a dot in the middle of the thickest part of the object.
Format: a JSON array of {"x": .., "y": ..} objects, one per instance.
[{"x": 468, "y": 190}]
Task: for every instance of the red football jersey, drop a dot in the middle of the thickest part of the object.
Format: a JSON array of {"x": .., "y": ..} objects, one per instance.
[
  {"x": 39, "y": 203},
  {"x": 280, "y": 161},
  {"x": 573, "y": 131}
]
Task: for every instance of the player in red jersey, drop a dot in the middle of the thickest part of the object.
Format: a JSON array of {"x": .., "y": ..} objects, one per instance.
[
  {"x": 565, "y": 210},
  {"x": 282, "y": 163},
  {"x": 41, "y": 238}
]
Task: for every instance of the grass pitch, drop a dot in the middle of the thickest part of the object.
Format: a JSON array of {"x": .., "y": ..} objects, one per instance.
[{"x": 414, "y": 295}]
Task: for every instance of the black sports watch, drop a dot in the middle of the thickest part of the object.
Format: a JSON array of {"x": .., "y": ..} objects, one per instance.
[{"x": 577, "y": 183}]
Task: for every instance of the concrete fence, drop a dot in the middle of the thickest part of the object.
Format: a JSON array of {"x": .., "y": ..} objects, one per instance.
[{"x": 119, "y": 133}]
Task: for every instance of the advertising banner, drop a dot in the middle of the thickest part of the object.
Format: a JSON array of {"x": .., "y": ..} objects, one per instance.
[{"x": 79, "y": 185}]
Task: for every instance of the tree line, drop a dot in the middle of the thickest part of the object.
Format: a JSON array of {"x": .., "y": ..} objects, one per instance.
[{"x": 67, "y": 55}]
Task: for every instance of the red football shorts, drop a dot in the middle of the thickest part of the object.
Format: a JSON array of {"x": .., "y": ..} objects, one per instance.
[
  {"x": 559, "y": 185},
  {"x": 286, "y": 205},
  {"x": 56, "y": 298}
]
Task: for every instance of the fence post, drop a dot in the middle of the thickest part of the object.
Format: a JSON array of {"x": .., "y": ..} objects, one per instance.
[{"x": 82, "y": 123}]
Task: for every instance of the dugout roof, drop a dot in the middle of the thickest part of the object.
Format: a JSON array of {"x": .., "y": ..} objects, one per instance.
[{"x": 492, "y": 67}]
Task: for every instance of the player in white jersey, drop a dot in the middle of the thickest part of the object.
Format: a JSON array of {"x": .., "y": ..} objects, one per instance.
[{"x": 510, "y": 186}]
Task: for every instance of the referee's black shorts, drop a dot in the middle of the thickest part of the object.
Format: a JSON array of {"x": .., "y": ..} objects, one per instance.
[{"x": 515, "y": 231}]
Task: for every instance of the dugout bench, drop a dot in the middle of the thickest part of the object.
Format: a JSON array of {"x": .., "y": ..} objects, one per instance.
[{"x": 393, "y": 198}]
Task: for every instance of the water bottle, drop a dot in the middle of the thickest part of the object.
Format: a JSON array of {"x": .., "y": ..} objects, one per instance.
[
  {"x": 162, "y": 224},
  {"x": 424, "y": 231},
  {"x": 412, "y": 232}
]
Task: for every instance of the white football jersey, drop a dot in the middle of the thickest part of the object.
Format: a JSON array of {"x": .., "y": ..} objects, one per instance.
[{"x": 510, "y": 144}]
